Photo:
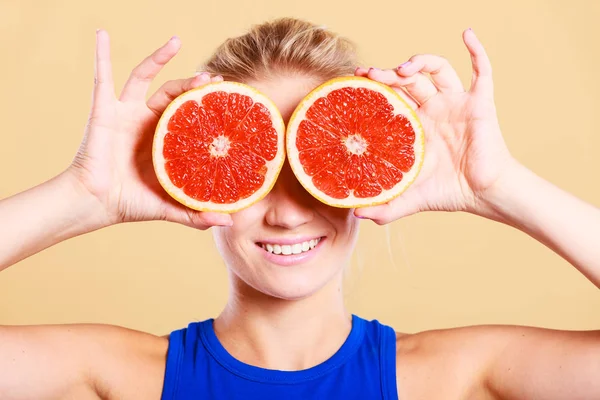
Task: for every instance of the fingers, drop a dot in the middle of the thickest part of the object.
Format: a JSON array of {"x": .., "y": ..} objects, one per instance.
[
  {"x": 197, "y": 219},
  {"x": 205, "y": 220},
  {"x": 417, "y": 85},
  {"x": 400, "y": 207},
  {"x": 103, "y": 79},
  {"x": 171, "y": 89},
  {"x": 424, "y": 75},
  {"x": 443, "y": 76},
  {"x": 387, "y": 77},
  {"x": 141, "y": 77},
  {"x": 482, "y": 68}
]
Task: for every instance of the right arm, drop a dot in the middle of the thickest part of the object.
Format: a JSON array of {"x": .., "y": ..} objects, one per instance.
[
  {"x": 45, "y": 215},
  {"x": 80, "y": 362},
  {"x": 111, "y": 180}
]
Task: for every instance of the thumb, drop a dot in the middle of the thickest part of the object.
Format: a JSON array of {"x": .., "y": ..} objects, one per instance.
[
  {"x": 482, "y": 68},
  {"x": 400, "y": 207}
]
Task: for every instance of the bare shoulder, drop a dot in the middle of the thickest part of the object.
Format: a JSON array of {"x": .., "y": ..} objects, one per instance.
[
  {"x": 86, "y": 361},
  {"x": 129, "y": 364},
  {"x": 463, "y": 360}
]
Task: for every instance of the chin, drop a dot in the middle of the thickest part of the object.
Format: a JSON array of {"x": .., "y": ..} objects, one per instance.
[
  {"x": 290, "y": 290},
  {"x": 294, "y": 283}
]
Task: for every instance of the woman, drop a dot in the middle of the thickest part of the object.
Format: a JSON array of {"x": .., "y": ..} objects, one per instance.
[{"x": 285, "y": 332}]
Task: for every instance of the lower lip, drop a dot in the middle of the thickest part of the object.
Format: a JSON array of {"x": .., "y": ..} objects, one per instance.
[{"x": 292, "y": 259}]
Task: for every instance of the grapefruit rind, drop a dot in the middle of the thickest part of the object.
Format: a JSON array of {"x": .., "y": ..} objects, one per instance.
[
  {"x": 273, "y": 167},
  {"x": 400, "y": 107}
]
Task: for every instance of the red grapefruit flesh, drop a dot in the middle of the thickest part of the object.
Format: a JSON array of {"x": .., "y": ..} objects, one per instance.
[
  {"x": 219, "y": 147},
  {"x": 354, "y": 142}
]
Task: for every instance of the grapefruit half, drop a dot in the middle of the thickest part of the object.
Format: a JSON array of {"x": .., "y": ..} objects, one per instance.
[
  {"x": 219, "y": 147},
  {"x": 353, "y": 142}
]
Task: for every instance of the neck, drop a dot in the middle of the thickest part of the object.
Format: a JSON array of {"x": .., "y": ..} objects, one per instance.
[{"x": 286, "y": 335}]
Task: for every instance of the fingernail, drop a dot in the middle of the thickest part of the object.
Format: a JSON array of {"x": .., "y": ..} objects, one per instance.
[
  {"x": 469, "y": 29},
  {"x": 360, "y": 216},
  {"x": 406, "y": 64},
  {"x": 174, "y": 37},
  {"x": 218, "y": 78}
]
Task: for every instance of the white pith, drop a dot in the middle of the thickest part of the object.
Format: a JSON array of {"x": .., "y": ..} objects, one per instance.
[
  {"x": 353, "y": 145},
  {"x": 288, "y": 249},
  {"x": 219, "y": 147},
  {"x": 356, "y": 144}
]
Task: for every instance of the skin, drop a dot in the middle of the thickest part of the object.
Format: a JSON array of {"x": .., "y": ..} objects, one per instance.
[{"x": 294, "y": 318}]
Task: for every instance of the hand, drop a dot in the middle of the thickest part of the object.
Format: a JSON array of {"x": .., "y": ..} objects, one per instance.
[
  {"x": 114, "y": 162},
  {"x": 465, "y": 154}
]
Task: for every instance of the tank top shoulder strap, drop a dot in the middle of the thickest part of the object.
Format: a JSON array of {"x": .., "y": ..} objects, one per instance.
[
  {"x": 182, "y": 349},
  {"x": 387, "y": 360}
]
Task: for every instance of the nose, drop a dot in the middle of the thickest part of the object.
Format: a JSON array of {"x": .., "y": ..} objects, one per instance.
[{"x": 290, "y": 206}]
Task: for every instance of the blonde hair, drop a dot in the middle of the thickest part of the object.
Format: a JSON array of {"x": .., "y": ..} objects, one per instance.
[{"x": 283, "y": 46}]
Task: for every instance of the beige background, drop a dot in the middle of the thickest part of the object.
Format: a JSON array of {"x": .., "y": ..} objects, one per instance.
[{"x": 442, "y": 270}]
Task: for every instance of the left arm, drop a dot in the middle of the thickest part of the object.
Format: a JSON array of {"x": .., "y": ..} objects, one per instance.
[
  {"x": 499, "y": 363},
  {"x": 561, "y": 221},
  {"x": 532, "y": 363}
]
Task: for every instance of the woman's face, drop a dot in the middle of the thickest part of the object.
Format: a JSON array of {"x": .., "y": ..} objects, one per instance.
[{"x": 287, "y": 220}]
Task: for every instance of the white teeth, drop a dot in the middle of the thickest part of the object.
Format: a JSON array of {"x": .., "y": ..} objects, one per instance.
[{"x": 287, "y": 249}]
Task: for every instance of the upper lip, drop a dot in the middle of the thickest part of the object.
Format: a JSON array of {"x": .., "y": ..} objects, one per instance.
[{"x": 291, "y": 240}]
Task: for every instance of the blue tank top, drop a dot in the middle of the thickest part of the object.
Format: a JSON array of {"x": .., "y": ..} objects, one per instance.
[{"x": 198, "y": 367}]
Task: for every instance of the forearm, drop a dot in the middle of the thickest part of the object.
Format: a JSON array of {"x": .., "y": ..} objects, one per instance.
[
  {"x": 564, "y": 223},
  {"x": 43, "y": 216}
]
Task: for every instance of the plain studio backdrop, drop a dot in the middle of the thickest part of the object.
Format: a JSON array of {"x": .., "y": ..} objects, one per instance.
[{"x": 437, "y": 270}]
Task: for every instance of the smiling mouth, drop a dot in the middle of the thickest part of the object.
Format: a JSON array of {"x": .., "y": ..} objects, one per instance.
[{"x": 290, "y": 249}]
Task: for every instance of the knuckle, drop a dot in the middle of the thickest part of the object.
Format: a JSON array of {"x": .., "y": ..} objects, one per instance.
[
  {"x": 197, "y": 220},
  {"x": 140, "y": 73},
  {"x": 438, "y": 62},
  {"x": 158, "y": 59},
  {"x": 171, "y": 83},
  {"x": 186, "y": 84},
  {"x": 417, "y": 58},
  {"x": 442, "y": 61}
]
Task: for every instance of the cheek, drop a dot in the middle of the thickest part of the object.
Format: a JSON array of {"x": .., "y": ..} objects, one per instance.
[
  {"x": 342, "y": 219},
  {"x": 252, "y": 216},
  {"x": 221, "y": 236},
  {"x": 231, "y": 245},
  {"x": 230, "y": 240},
  {"x": 352, "y": 224},
  {"x": 343, "y": 222}
]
